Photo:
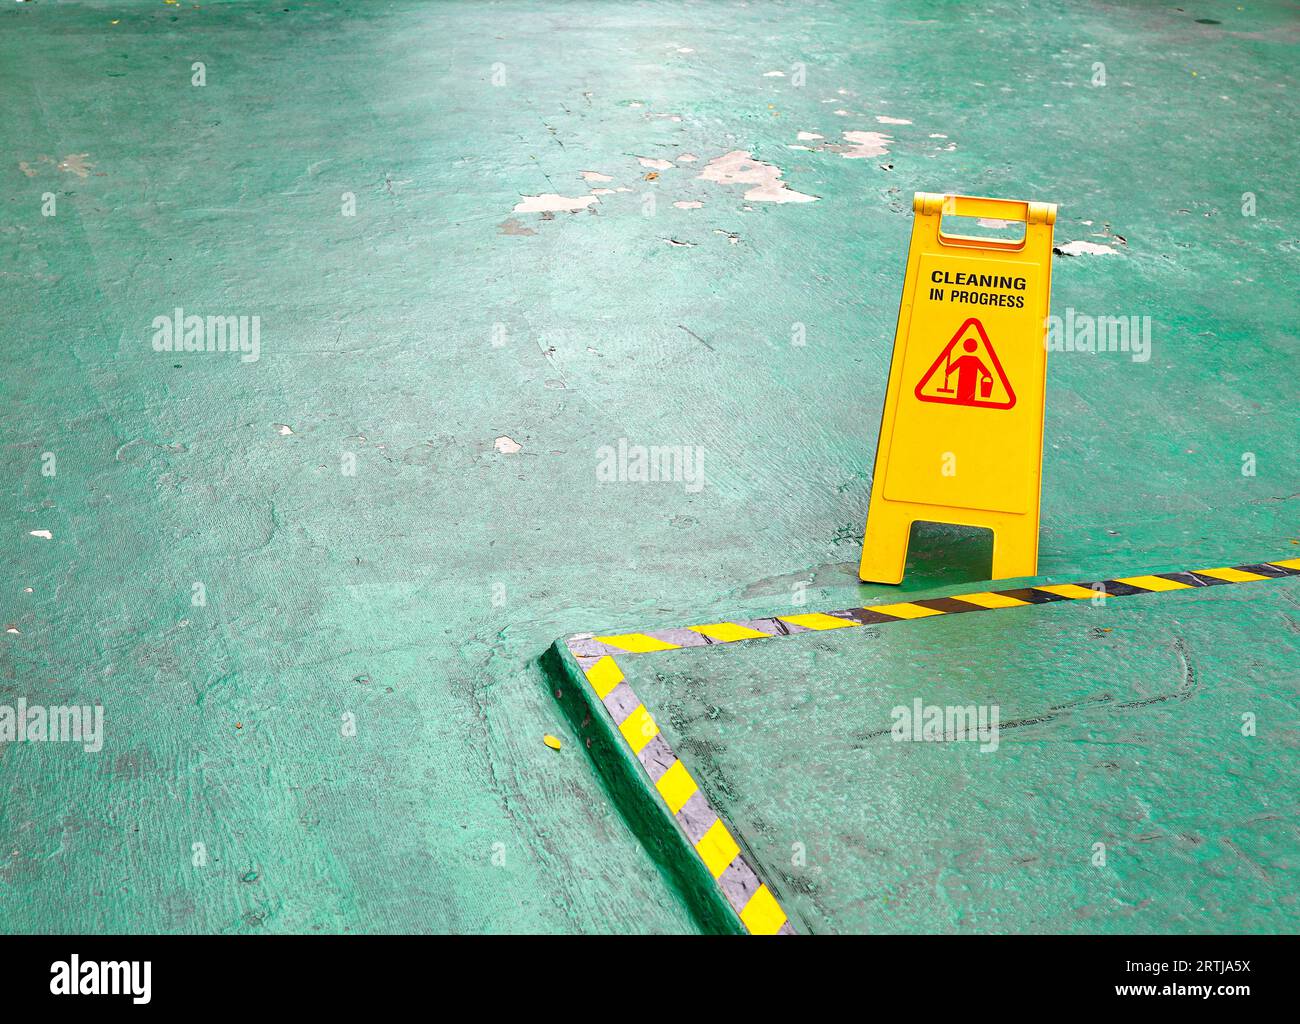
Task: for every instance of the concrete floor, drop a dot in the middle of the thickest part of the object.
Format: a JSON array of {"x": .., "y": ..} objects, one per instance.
[{"x": 423, "y": 339}]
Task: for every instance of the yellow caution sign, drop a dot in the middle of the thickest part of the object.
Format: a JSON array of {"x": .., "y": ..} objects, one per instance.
[{"x": 961, "y": 438}]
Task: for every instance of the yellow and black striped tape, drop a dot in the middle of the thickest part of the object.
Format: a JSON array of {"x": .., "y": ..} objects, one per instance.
[
  {"x": 752, "y": 900},
  {"x": 788, "y": 625}
]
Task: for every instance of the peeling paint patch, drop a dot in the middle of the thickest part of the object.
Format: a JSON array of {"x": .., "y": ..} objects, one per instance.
[
  {"x": 30, "y": 169},
  {"x": 882, "y": 119},
  {"x": 283, "y": 429},
  {"x": 688, "y": 204},
  {"x": 594, "y": 176},
  {"x": 507, "y": 445},
  {"x": 549, "y": 202},
  {"x": 682, "y": 245},
  {"x": 865, "y": 144},
  {"x": 11, "y": 628},
  {"x": 510, "y": 226},
  {"x": 76, "y": 163},
  {"x": 666, "y": 117},
  {"x": 44, "y": 534},
  {"x": 841, "y": 113},
  {"x": 808, "y": 136},
  {"x": 938, "y": 136},
  {"x": 1084, "y": 249},
  {"x": 654, "y": 163},
  {"x": 740, "y": 168},
  {"x": 773, "y": 74},
  {"x": 687, "y": 158}
]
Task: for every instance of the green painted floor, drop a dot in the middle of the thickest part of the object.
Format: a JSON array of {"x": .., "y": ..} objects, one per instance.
[
  {"x": 424, "y": 338},
  {"x": 1120, "y": 725}
]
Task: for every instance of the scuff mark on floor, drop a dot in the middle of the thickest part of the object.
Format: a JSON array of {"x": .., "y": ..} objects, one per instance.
[
  {"x": 740, "y": 168},
  {"x": 1107, "y": 233},
  {"x": 549, "y": 202},
  {"x": 69, "y": 163},
  {"x": 510, "y": 226},
  {"x": 139, "y": 447},
  {"x": 696, "y": 337}
]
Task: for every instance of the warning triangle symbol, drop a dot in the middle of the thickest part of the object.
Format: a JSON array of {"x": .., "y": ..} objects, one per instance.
[{"x": 967, "y": 372}]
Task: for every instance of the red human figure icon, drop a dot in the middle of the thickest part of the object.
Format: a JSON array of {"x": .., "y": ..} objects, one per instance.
[{"x": 969, "y": 368}]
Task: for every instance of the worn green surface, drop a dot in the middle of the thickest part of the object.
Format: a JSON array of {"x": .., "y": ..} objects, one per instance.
[
  {"x": 1119, "y": 725},
  {"x": 374, "y": 594}
]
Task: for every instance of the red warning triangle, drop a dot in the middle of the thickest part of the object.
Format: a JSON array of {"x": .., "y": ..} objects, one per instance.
[{"x": 967, "y": 375}]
